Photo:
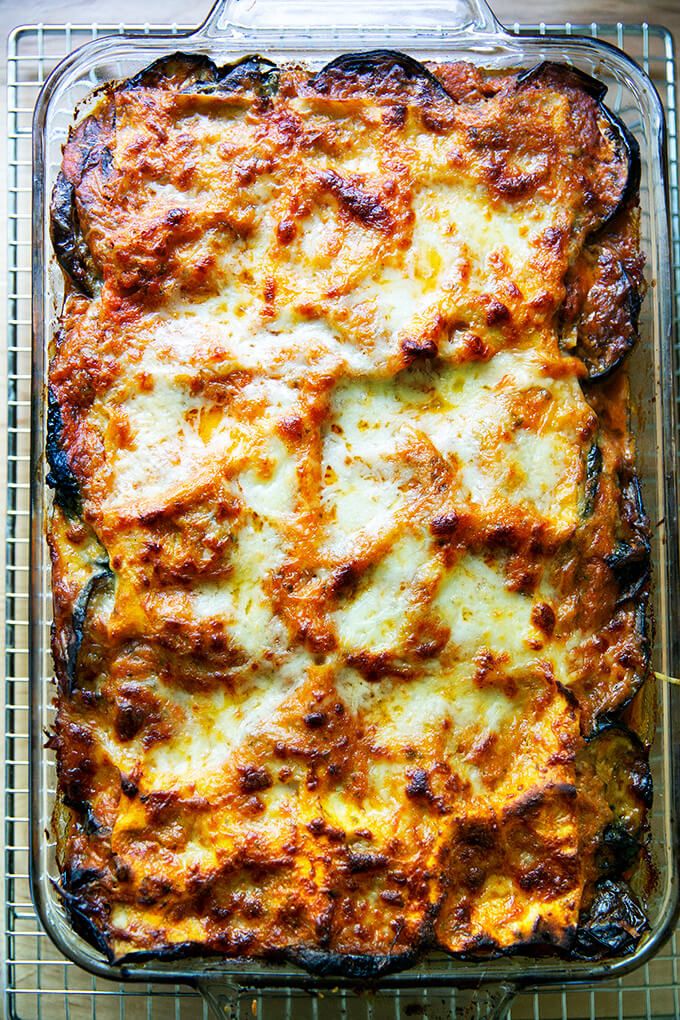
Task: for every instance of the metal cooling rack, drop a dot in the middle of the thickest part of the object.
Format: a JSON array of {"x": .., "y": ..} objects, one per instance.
[{"x": 38, "y": 983}]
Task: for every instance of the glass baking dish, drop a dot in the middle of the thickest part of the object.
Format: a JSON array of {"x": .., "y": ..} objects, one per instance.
[{"x": 286, "y": 30}]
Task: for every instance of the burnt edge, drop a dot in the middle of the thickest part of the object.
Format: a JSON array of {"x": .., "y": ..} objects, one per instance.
[
  {"x": 198, "y": 74},
  {"x": 79, "y": 616},
  {"x": 66, "y": 234},
  {"x": 630, "y": 562},
  {"x": 404, "y": 72},
  {"x": 60, "y": 476}
]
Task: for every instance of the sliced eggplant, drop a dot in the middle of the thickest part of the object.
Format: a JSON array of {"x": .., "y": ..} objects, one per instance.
[
  {"x": 626, "y": 167},
  {"x": 613, "y": 925},
  {"x": 630, "y": 559},
  {"x": 180, "y": 70},
  {"x": 630, "y": 563},
  {"x": 73, "y": 254},
  {"x": 87, "y": 819},
  {"x": 87, "y": 168},
  {"x": 632, "y": 506},
  {"x": 563, "y": 74},
  {"x": 605, "y": 304},
  {"x": 617, "y": 762},
  {"x": 358, "y": 967},
  {"x": 611, "y": 714},
  {"x": 74, "y": 877},
  {"x": 383, "y": 71},
  {"x": 60, "y": 477},
  {"x": 97, "y": 585},
  {"x": 198, "y": 74},
  {"x": 621, "y": 180},
  {"x": 253, "y": 72},
  {"x": 88, "y": 918},
  {"x": 593, "y": 472}
]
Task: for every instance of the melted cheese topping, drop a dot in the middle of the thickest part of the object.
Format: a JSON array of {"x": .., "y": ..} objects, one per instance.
[{"x": 334, "y": 470}]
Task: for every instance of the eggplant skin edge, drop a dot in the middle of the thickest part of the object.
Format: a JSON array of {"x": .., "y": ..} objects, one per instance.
[
  {"x": 593, "y": 472},
  {"x": 199, "y": 74},
  {"x": 78, "y": 618},
  {"x": 374, "y": 62},
  {"x": 593, "y": 942},
  {"x": 69, "y": 245},
  {"x": 60, "y": 476},
  {"x": 614, "y": 925},
  {"x": 575, "y": 78},
  {"x": 620, "y": 334}
]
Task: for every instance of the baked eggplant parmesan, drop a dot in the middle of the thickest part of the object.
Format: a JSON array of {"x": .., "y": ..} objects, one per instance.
[{"x": 349, "y": 559}]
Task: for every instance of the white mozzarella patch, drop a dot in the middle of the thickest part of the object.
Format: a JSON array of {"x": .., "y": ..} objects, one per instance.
[
  {"x": 166, "y": 449},
  {"x": 403, "y": 712},
  {"x": 272, "y": 496},
  {"x": 375, "y": 619},
  {"x": 240, "y": 601},
  {"x": 474, "y": 602},
  {"x": 229, "y": 335},
  {"x": 361, "y": 483},
  {"x": 221, "y": 724},
  {"x": 466, "y": 412},
  {"x": 213, "y": 727}
]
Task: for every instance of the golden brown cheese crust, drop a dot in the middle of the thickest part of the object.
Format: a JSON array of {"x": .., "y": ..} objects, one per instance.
[{"x": 349, "y": 558}]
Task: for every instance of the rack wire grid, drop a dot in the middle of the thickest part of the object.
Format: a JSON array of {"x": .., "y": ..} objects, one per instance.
[{"x": 37, "y": 981}]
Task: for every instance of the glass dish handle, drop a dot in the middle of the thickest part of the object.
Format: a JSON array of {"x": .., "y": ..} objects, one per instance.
[
  {"x": 226, "y": 1000},
  {"x": 455, "y": 17}
]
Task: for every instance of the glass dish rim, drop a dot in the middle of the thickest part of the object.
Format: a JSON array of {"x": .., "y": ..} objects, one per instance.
[{"x": 521, "y": 971}]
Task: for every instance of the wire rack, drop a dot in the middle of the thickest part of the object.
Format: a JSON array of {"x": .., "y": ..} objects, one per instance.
[{"x": 39, "y": 983}]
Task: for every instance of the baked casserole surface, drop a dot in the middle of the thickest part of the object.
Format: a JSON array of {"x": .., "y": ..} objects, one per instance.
[{"x": 350, "y": 564}]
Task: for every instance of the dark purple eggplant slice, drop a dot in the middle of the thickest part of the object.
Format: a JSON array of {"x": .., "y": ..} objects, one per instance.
[
  {"x": 60, "y": 477},
  {"x": 98, "y": 584},
  {"x": 630, "y": 559},
  {"x": 630, "y": 563},
  {"x": 563, "y": 74},
  {"x": 625, "y": 163},
  {"x": 87, "y": 819},
  {"x": 253, "y": 72},
  {"x": 593, "y": 472},
  {"x": 608, "y": 326},
  {"x": 80, "y": 911},
  {"x": 73, "y": 254},
  {"x": 198, "y": 74},
  {"x": 620, "y": 760},
  {"x": 75, "y": 877},
  {"x": 613, "y": 925},
  {"x": 179, "y": 70},
  {"x": 388, "y": 71},
  {"x": 359, "y": 967},
  {"x": 611, "y": 716},
  {"x": 628, "y": 150},
  {"x": 632, "y": 506},
  {"x": 87, "y": 168},
  {"x": 603, "y": 304}
]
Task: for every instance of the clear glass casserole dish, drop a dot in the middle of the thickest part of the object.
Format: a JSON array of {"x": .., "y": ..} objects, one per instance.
[{"x": 299, "y": 30}]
